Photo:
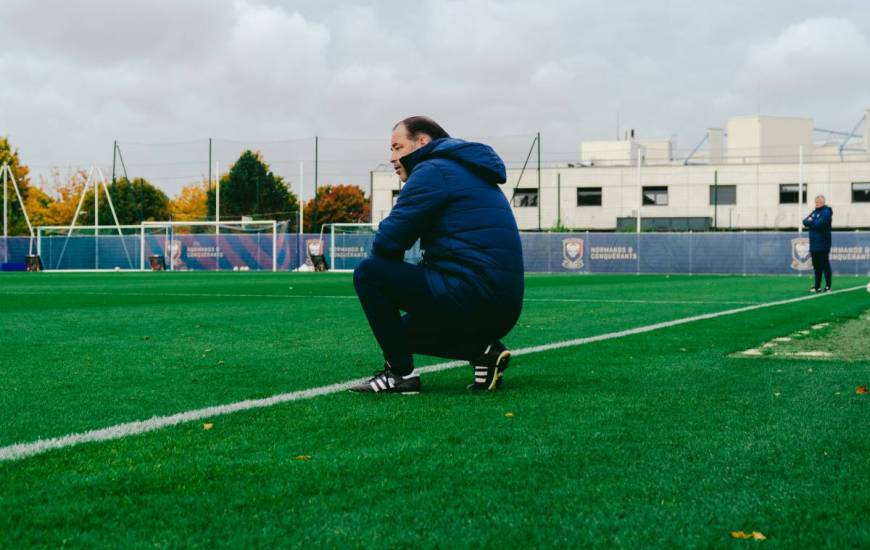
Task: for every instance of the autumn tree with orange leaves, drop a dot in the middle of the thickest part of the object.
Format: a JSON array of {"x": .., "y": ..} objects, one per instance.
[
  {"x": 55, "y": 201},
  {"x": 336, "y": 204},
  {"x": 191, "y": 204}
]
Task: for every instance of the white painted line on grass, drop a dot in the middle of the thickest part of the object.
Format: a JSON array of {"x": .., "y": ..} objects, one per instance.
[
  {"x": 68, "y": 292},
  {"x": 675, "y": 322},
  {"x": 353, "y": 297},
  {"x": 604, "y": 301},
  {"x": 22, "y": 450}
]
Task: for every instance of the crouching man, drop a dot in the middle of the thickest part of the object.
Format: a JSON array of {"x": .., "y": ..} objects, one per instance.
[{"x": 467, "y": 292}]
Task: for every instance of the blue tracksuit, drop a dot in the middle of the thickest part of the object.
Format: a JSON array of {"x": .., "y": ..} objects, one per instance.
[
  {"x": 468, "y": 290},
  {"x": 818, "y": 224}
]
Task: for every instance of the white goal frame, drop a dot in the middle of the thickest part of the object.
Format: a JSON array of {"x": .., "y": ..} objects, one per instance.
[
  {"x": 373, "y": 226},
  {"x": 7, "y": 174},
  {"x": 96, "y": 228},
  {"x": 217, "y": 228},
  {"x": 141, "y": 232}
]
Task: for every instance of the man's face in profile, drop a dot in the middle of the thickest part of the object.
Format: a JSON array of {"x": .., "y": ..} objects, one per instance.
[{"x": 401, "y": 145}]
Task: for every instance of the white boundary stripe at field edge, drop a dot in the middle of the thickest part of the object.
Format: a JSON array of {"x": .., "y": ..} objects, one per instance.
[
  {"x": 353, "y": 297},
  {"x": 73, "y": 292},
  {"x": 22, "y": 450}
]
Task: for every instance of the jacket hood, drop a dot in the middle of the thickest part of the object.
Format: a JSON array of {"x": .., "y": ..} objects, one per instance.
[{"x": 477, "y": 157}]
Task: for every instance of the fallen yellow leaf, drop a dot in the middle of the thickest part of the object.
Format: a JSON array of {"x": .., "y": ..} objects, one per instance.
[
  {"x": 207, "y": 426},
  {"x": 753, "y": 535},
  {"x": 861, "y": 390},
  {"x": 509, "y": 415},
  {"x": 303, "y": 457}
]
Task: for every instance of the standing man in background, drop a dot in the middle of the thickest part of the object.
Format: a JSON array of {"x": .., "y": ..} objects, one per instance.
[
  {"x": 467, "y": 292},
  {"x": 818, "y": 223}
]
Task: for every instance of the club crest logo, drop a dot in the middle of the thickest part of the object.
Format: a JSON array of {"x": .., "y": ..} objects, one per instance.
[
  {"x": 572, "y": 253},
  {"x": 801, "y": 259}
]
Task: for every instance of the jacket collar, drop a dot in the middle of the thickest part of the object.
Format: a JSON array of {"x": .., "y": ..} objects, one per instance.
[{"x": 412, "y": 159}]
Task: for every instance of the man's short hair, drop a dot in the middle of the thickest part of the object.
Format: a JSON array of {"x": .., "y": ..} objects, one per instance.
[
  {"x": 820, "y": 197},
  {"x": 417, "y": 125}
]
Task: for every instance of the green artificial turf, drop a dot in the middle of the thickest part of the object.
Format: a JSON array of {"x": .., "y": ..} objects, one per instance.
[
  {"x": 657, "y": 439},
  {"x": 845, "y": 341}
]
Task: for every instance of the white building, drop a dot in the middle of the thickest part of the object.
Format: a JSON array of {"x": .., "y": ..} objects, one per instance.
[{"x": 753, "y": 166}]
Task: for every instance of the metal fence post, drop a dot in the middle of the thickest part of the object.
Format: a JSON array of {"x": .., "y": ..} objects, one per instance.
[{"x": 589, "y": 256}]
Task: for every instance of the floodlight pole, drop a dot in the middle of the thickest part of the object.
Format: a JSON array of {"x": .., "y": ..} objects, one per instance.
[
  {"x": 209, "y": 164},
  {"x": 5, "y": 203},
  {"x": 301, "y": 200},
  {"x": 639, "y": 187},
  {"x": 540, "y": 194},
  {"x": 217, "y": 201},
  {"x": 5, "y": 223},
  {"x": 217, "y": 217},
  {"x": 96, "y": 225},
  {"x": 800, "y": 188},
  {"x": 316, "y": 163}
]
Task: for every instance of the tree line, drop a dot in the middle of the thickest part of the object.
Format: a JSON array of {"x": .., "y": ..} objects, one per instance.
[{"x": 248, "y": 188}]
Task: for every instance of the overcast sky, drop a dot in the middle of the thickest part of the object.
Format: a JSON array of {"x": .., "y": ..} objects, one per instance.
[{"x": 77, "y": 75}]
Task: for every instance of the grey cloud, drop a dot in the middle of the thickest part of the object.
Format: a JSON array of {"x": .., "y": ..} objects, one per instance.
[{"x": 80, "y": 74}]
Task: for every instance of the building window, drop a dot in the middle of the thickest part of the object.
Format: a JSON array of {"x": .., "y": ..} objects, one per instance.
[
  {"x": 655, "y": 196},
  {"x": 861, "y": 191},
  {"x": 788, "y": 193},
  {"x": 525, "y": 197},
  {"x": 588, "y": 196},
  {"x": 726, "y": 194},
  {"x": 395, "y": 196}
]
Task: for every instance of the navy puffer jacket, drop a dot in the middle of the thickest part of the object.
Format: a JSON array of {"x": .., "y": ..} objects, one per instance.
[
  {"x": 819, "y": 225},
  {"x": 467, "y": 231}
]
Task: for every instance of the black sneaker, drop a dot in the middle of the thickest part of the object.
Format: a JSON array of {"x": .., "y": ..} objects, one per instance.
[
  {"x": 827, "y": 289},
  {"x": 814, "y": 290},
  {"x": 490, "y": 366},
  {"x": 386, "y": 381}
]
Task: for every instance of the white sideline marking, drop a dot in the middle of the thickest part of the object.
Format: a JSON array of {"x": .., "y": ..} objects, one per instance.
[
  {"x": 22, "y": 450},
  {"x": 353, "y": 297},
  {"x": 181, "y": 294},
  {"x": 603, "y": 301}
]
